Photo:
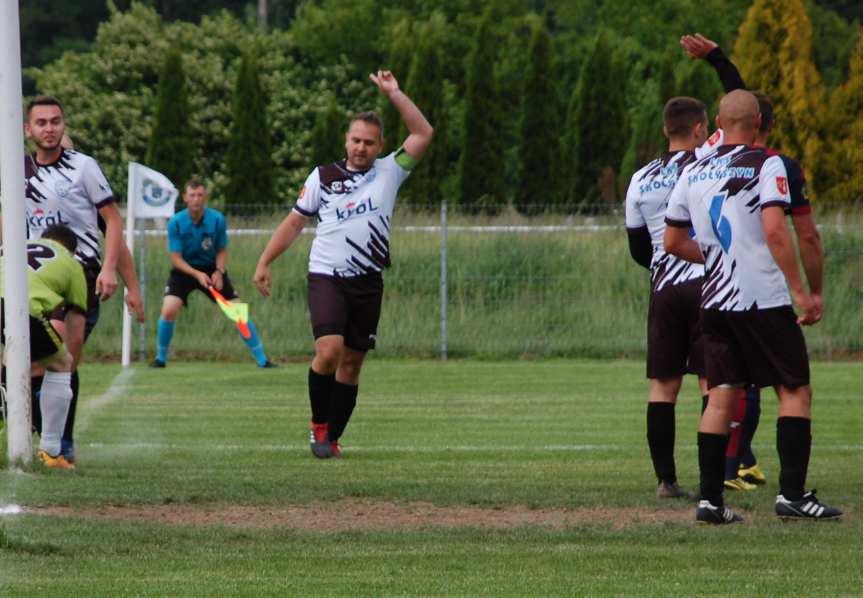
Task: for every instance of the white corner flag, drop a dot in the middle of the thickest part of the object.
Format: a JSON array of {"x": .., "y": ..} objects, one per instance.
[{"x": 150, "y": 194}]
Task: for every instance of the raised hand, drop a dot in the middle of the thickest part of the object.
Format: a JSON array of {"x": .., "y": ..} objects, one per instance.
[
  {"x": 697, "y": 46},
  {"x": 385, "y": 81}
]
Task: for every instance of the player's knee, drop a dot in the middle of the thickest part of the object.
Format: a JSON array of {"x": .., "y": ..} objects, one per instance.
[{"x": 328, "y": 355}]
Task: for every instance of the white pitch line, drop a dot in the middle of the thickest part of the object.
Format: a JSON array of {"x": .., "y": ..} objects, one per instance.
[
  {"x": 6, "y": 510},
  {"x": 118, "y": 386},
  {"x": 553, "y": 448}
]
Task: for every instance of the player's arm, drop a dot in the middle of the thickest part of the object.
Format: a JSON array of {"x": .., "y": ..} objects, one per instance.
[
  {"x": 677, "y": 242},
  {"x": 640, "y": 245},
  {"x": 126, "y": 268},
  {"x": 420, "y": 132},
  {"x": 73, "y": 337},
  {"x": 812, "y": 256},
  {"x": 183, "y": 266},
  {"x": 106, "y": 282},
  {"x": 221, "y": 256},
  {"x": 782, "y": 249},
  {"x": 699, "y": 47},
  {"x": 282, "y": 238}
]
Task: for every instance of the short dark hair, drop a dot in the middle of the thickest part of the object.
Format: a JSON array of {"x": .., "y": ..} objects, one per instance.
[
  {"x": 766, "y": 108},
  {"x": 371, "y": 117},
  {"x": 44, "y": 101},
  {"x": 63, "y": 235},
  {"x": 681, "y": 114},
  {"x": 194, "y": 183}
]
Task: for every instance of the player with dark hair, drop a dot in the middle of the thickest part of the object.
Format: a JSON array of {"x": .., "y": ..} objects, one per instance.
[
  {"x": 352, "y": 201},
  {"x": 736, "y": 199},
  {"x": 55, "y": 280},
  {"x": 65, "y": 186},
  {"x": 746, "y": 470},
  {"x": 198, "y": 245},
  {"x": 673, "y": 331}
]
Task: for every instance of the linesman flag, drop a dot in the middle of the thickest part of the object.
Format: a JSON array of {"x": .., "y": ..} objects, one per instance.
[
  {"x": 151, "y": 192},
  {"x": 238, "y": 313}
]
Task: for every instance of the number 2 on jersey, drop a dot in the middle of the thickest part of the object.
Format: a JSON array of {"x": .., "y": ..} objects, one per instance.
[
  {"x": 37, "y": 255},
  {"x": 721, "y": 225}
]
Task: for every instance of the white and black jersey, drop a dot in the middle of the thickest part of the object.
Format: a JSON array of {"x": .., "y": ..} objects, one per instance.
[
  {"x": 722, "y": 196},
  {"x": 714, "y": 142},
  {"x": 68, "y": 191},
  {"x": 646, "y": 200},
  {"x": 353, "y": 210}
]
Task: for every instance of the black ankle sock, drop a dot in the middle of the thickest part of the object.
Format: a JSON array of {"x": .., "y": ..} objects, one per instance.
[
  {"x": 35, "y": 410},
  {"x": 794, "y": 443},
  {"x": 660, "y": 439},
  {"x": 704, "y": 399},
  {"x": 320, "y": 395},
  {"x": 69, "y": 429},
  {"x": 344, "y": 401},
  {"x": 711, "y": 463}
]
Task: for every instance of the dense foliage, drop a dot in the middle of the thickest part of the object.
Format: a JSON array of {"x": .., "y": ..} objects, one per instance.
[
  {"x": 611, "y": 66},
  {"x": 169, "y": 150}
]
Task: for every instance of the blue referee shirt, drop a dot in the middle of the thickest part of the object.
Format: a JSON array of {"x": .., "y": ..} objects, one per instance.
[{"x": 198, "y": 243}]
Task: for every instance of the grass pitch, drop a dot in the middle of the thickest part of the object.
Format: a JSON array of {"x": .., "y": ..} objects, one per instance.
[{"x": 186, "y": 475}]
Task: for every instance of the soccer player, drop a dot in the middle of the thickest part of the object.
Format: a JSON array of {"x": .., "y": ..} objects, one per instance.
[
  {"x": 736, "y": 200},
  {"x": 56, "y": 280},
  {"x": 65, "y": 186},
  {"x": 674, "y": 345},
  {"x": 808, "y": 239},
  {"x": 198, "y": 244},
  {"x": 352, "y": 201}
]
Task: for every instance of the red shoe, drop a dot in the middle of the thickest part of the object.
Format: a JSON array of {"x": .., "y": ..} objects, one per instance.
[{"x": 319, "y": 441}]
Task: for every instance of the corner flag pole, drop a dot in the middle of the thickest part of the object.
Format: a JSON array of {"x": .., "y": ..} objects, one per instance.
[
  {"x": 14, "y": 239},
  {"x": 126, "y": 352}
]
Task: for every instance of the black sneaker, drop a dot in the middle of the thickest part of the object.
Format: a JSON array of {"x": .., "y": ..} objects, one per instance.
[
  {"x": 669, "y": 490},
  {"x": 157, "y": 363},
  {"x": 706, "y": 512},
  {"x": 268, "y": 365},
  {"x": 807, "y": 507}
]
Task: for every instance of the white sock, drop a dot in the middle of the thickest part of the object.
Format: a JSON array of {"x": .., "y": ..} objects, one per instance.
[{"x": 54, "y": 400}]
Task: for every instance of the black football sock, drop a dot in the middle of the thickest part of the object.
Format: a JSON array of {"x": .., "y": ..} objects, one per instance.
[
  {"x": 69, "y": 430},
  {"x": 711, "y": 463},
  {"x": 794, "y": 443},
  {"x": 660, "y": 439},
  {"x": 344, "y": 401},
  {"x": 320, "y": 393},
  {"x": 750, "y": 425},
  {"x": 35, "y": 408}
]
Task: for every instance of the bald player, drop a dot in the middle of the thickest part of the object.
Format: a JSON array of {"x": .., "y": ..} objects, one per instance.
[{"x": 735, "y": 199}]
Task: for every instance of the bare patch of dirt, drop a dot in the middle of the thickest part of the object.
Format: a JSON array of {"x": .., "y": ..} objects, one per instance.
[{"x": 351, "y": 514}]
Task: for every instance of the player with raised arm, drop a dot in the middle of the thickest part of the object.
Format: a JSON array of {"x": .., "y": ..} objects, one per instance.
[
  {"x": 736, "y": 199},
  {"x": 808, "y": 239},
  {"x": 674, "y": 345},
  {"x": 352, "y": 201},
  {"x": 55, "y": 280}
]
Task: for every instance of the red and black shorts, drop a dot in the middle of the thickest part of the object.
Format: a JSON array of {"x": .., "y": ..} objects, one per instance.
[
  {"x": 181, "y": 285},
  {"x": 674, "y": 341},
  {"x": 763, "y": 347},
  {"x": 348, "y": 307}
]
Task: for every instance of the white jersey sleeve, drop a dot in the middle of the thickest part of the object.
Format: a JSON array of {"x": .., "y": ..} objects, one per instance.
[
  {"x": 773, "y": 184},
  {"x": 634, "y": 217},
  {"x": 95, "y": 184},
  {"x": 677, "y": 212},
  {"x": 309, "y": 200},
  {"x": 711, "y": 145}
]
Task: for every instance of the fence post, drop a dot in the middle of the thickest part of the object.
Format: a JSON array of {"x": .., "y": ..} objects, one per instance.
[
  {"x": 142, "y": 284},
  {"x": 443, "y": 282}
]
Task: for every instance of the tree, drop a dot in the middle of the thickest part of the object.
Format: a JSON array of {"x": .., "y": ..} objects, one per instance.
[
  {"x": 169, "y": 150},
  {"x": 595, "y": 128},
  {"x": 248, "y": 163},
  {"x": 328, "y": 134},
  {"x": 539, "y": 145},
  {"x": 844, "y": 160},
  {"x": 774, "y": 55},
  {"x": 481, "y": 167},
  {"x": 399, "y": 62},
  {"x": 425, "y": 86}
]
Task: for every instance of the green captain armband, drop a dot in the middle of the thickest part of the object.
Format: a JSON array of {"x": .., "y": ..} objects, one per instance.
[{"x": 405, "y": 160}]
